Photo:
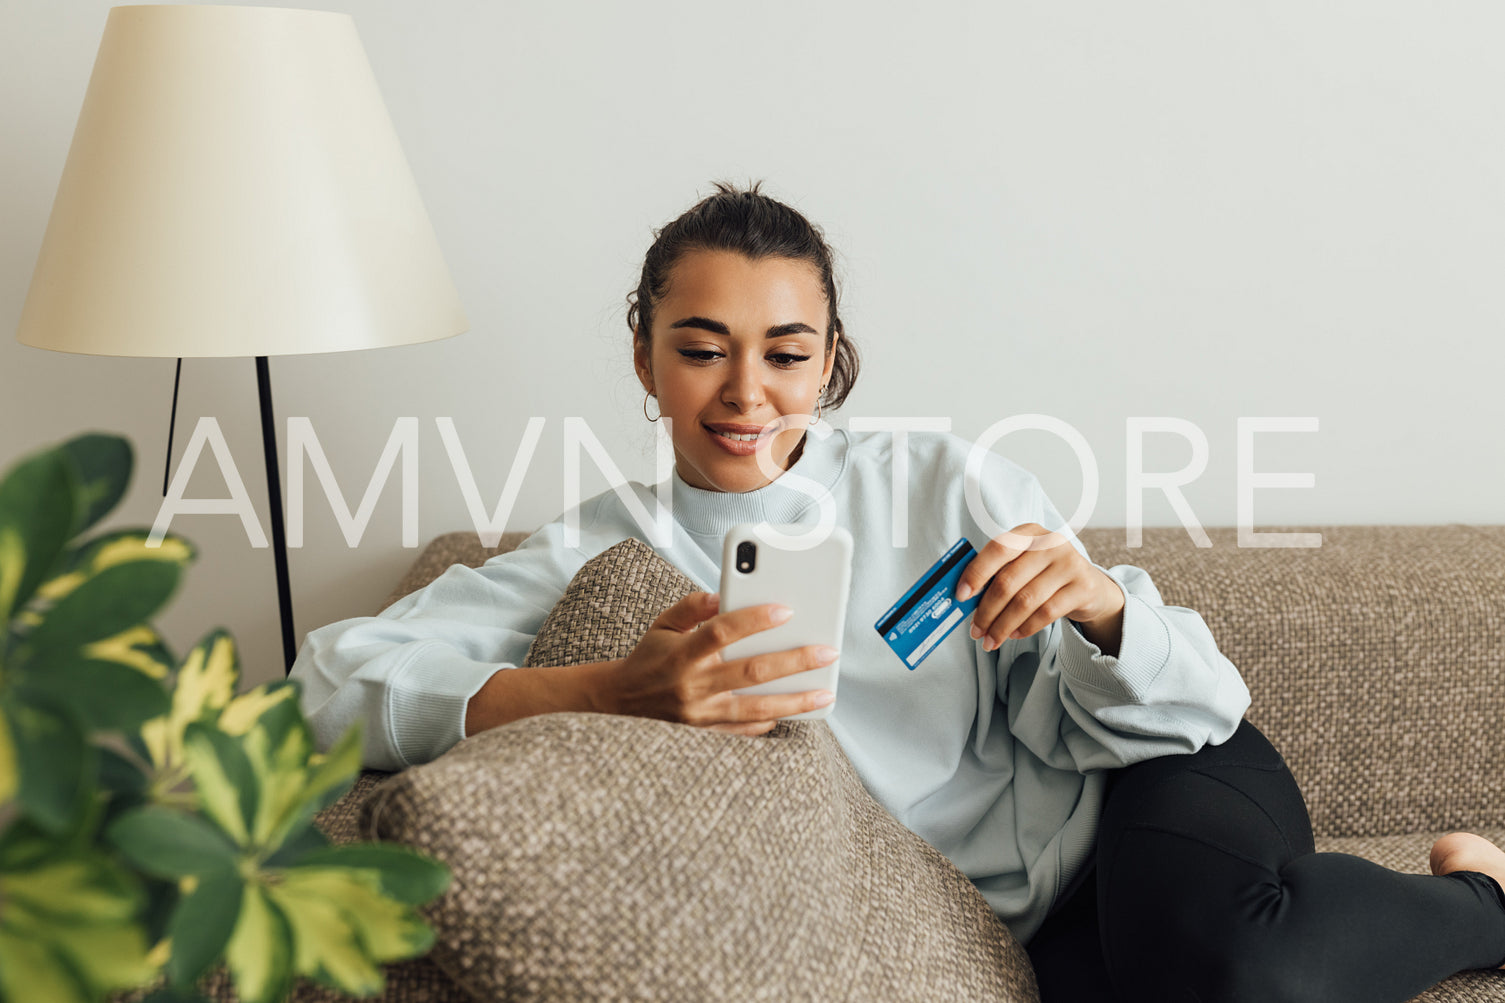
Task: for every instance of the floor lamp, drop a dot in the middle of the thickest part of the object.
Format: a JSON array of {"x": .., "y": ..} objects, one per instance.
[{"x": 235, "y": 188}]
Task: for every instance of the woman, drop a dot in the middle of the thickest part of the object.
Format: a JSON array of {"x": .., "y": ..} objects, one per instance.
[{"x": 1082, "y": 757}]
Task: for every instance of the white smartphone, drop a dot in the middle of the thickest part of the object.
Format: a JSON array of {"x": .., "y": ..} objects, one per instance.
[{"x": 776, "y": 563}]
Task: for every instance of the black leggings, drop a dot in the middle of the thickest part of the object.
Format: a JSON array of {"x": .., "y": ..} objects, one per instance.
[{"x": 1207, "y": 888}]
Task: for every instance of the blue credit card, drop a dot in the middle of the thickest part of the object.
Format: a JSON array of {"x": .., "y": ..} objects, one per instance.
[{"x": 920, "y": 620}]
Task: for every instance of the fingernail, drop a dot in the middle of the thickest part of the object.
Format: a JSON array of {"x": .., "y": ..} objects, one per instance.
[
  {"x": 780, "y": 613},
  {"x": 824, "y": 697},
  {"x": 976, "y": 632},
  {"x": 826, "y": 654},
  {"x": 1016, "y": 635},
  {"x": 963, "y": 593}
]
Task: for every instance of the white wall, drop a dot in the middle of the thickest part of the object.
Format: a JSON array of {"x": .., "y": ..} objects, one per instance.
[{"x": 1094, "y": 211}]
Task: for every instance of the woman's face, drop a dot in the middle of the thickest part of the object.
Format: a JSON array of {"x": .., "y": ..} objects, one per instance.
[{"x": 737, "y": 344}]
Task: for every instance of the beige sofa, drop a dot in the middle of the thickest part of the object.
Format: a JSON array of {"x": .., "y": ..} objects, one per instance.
[{"x": 1376, "y": 666}]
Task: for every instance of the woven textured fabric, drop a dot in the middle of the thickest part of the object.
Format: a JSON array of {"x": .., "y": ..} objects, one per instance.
[
  {"x": 1374, "y": 661},
  {"x": 609, "y": 606},
  {"x": 602, "y": 857}
]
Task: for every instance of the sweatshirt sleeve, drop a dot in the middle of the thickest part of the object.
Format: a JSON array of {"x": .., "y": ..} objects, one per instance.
[
  {"x": 1169, "y": 690},
  {"x": 408, "y": 674}
]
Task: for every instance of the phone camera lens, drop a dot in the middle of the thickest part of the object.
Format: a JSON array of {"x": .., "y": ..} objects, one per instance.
[{"x": 747, "y": 556}]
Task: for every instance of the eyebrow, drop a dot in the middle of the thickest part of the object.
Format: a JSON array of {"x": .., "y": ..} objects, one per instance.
[{"x": 716, "y": 327}]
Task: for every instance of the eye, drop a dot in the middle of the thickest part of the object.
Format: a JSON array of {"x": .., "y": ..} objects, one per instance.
[
  {"x": 699, "y": 354},
  {"x": 787, "y": 360}
]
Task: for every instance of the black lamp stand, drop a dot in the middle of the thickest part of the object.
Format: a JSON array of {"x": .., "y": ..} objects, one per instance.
[{"x": 274, "y": 497}]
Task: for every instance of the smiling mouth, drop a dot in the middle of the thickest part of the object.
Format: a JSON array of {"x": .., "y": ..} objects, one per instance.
[{"x": 740, "y": 437}]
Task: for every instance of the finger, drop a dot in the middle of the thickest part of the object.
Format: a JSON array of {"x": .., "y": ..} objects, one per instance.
[
  {"x": 997, "y": 594},
  {"x": 749, "y": 728},
  {"x": 688, "y": 613},
  {"x": 994, "y": 555},
  {"x": 744, "y": 673},
  {"x": 1060, "y": 605},
  {"x": 741, "y": 708},
  {"x": 1042, "y": 601},
  {"x": 741, "y": 673},
  {"x": 735, "y": 708},
  {"x": 724, "y": 628}
]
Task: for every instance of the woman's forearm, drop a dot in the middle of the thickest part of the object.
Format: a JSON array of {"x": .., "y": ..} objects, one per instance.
[{"x": 513, "y": 694}]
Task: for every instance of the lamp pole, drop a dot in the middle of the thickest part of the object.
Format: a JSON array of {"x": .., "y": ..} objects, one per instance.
[{"x": 274, "y": 493}]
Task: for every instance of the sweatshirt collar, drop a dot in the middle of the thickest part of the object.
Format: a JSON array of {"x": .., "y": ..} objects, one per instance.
[{"x": 784, "y": 499}]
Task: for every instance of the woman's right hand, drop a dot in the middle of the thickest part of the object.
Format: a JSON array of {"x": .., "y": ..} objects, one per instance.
[{"x": 677, "y": 673}]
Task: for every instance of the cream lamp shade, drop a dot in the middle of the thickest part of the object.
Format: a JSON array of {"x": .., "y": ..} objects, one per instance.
[{"x": 235, "y": 188}]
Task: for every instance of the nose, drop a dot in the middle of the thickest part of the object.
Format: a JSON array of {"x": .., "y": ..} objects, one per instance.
[{"x": 743, "y": 388}]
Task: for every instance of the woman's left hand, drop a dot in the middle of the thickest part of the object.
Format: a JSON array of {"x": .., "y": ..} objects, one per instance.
[{"x": 1032, "y": 578}]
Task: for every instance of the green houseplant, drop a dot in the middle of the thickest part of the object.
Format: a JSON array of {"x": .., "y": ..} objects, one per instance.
[{"x": 152, "y": 821}]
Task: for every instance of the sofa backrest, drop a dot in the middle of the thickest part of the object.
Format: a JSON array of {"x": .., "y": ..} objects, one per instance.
[{"x": 1376, "y": 661}]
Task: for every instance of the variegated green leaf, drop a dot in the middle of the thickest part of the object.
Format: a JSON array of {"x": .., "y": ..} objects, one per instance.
[
  {"x": 53, "y": 758},
  {"x": 405, "y": 874},
  {"x": 171, "y": 844},
  {"x": 12, "y": 569},
  {"x": 223, "y": 778},
  {"x": 204, "y": 686},
  {"x": 260, "y": 953},
  {"x": 386, "y": 930},
  {"x": 334, "y": 771},
  {"x": 103, "y": 696},
  {"x": 281, "y": 774},
  {"x": 37, "y": 504},
  {"x": 294, "y": 780},
  {"x": 246, "y": 710},
  {"x": 201, "y": 925},
  {"x": 10, "y": 773},
  {"x": 77, "y": 888},
  {"x": 303, "y": 840},
  {"x": 108, "y": 550},
  {"x": 139, "y": 647},
  {"x": 30, "y": 970},
  {"x": 333, "y": 946},
  {"x": 114, "y": 599},
  {"x": 77, "y": 912},
  {"x": 123, "y": 545},
  {"x": 102, "y": 467},
  {"x": 107, "y": 956}
]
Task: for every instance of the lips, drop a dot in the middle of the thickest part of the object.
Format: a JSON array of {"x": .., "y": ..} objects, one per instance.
[
  {"x": 741, "y": 439},
  {"x": 741, "y": 430}
]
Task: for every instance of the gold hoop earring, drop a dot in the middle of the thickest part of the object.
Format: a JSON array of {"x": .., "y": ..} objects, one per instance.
[
  {"x": 820, "y": 407},
  {"x": 646, "y": 395}
]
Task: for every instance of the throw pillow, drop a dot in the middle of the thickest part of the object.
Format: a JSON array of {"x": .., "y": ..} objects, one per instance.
[{"x": 601, "y": 856}]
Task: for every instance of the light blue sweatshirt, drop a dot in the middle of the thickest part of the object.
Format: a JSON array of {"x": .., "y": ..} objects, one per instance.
[{"x": 996, "y": 758}]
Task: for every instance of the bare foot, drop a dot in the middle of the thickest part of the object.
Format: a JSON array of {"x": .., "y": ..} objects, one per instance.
[{"x": 1464, "y": 851}]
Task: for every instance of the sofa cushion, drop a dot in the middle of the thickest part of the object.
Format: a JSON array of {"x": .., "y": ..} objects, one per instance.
[
  {"x": 609, "y": 605},
  {"x": 601, "y": 856}
]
